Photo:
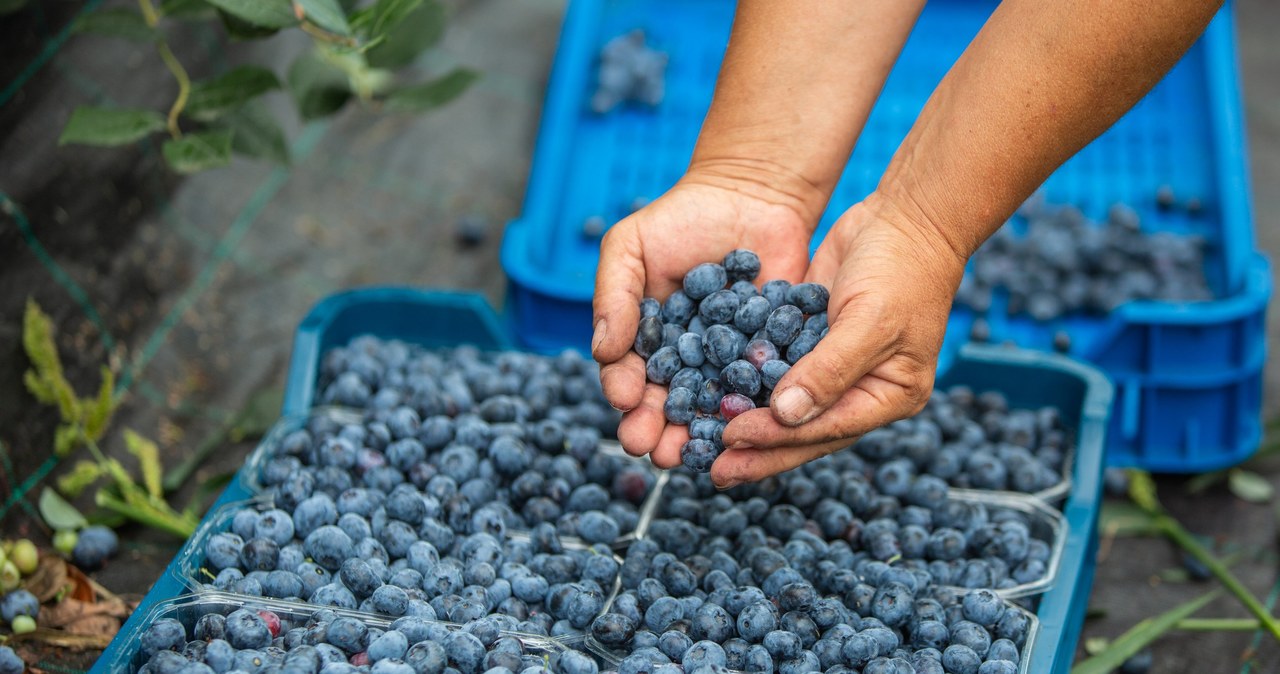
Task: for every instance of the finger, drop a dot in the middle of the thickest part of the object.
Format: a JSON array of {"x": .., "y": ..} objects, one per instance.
[
  {"x": 615, "y": 306},
  {"x": 861, "y": 337},
  {"x": 736, "y": 466},
  {"x": 667, "y": 454},
  {"x": 623, "y": 381},
  {"x": 870, "y": 404},
  {"x": 640, "y": 429}
]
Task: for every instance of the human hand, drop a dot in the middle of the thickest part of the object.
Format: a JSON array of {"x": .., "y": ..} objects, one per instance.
[
  {"x": 647, "y": 255},
  {"x": 892, "y": 281}
]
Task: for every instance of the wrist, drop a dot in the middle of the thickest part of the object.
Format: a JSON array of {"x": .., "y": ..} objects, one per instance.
[{"x": 761, "y": 180}]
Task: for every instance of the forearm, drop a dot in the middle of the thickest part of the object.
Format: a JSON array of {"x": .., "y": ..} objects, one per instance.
[
  {"x": 796, "y": 87},
  {"x": 1039, "y": 82}
]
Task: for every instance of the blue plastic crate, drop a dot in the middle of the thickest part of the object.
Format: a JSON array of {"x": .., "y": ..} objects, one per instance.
[
  {"x": 446, "y": 319},
  {"x": 1189, "y": 377}
]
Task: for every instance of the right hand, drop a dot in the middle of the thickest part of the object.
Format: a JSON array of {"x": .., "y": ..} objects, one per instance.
[{"x": 647, "y": 255}]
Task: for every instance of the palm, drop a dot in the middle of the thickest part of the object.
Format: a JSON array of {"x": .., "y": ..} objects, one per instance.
[
  {"x": 698, "y": 224},
  {"x": 648, "y": 254}
]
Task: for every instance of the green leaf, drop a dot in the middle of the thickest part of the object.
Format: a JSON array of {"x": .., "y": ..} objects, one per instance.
[
  {"x": 45, "y": 380},
  {"x": 117, "y": 22},
  {"x": 319, "y": 87},
  {"x": 1096, "y": 645},
  {"x": 256, "y": 134},
  {"x": 57, "y": 513},
  {"x": 327, "y": 14},
  {"x": 198, "y": 151},
  {"x": 1249, "y": 486},
  {"x": 1142, "y": 491},
  {"x": 263, "y": 13},
  {"x": 97, "y": 411},
  {"x": 385, "y": 15},
  {"x": 65, "y": 439},
  {"x": 240, "y": 30},
  {"x": 186, "y": 9},
  {"x": 211, "y": 98},
  {"x": 431, "y": 94},
  {"x": 414, "y": 33},
  {"x": 1138, "y": 637},
  {"x": 109, "y": 127},
  {"x": 74, "y": 481},
  {"x": 148, "y": 460}
]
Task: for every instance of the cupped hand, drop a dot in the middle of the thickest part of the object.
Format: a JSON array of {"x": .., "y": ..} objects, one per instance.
[
  {"x": 647, "y": 255},
  {"x": 892, "y": 281}
]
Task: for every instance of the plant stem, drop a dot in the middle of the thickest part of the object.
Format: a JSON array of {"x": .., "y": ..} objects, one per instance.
[
  {"x": 1174, "y": 530},
  {"x": 152, "y": 17},
  {"x": 180, "y": 527},
  {"x": 1217, "y": 624}
]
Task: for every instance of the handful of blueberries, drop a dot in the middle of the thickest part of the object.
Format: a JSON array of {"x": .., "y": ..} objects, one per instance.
[{"x": 721, "y": 345}]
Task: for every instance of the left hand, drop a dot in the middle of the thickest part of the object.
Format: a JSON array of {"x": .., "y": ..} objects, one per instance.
[{"x": 892, "y": 280}]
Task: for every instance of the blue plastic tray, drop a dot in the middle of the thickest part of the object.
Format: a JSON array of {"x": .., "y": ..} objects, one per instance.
[
  {"x": 1188, "y": 376},
  {"x": 445, "y": 319}
]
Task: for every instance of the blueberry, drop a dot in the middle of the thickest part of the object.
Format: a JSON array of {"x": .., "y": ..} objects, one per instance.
[
  {"x": 772, "y": 371},
  {"x": 246, "y": 629},
  {"x": 612, "y": 629},
  {"x": 698, "y": 455},
  {"x": 801, "y": 345},
  {"x": 733, "y": 404},
  {"x": 784, "y": 325},
  {"x": 574, "y": 662},
  {"x": 679, "y": 308},
  {"x": 719, "y": 307},
  {"x": 776, "y": 292},
  {"x": 679, "y": 407},
  {"x": 740, "y": 377},
  {"x": 709, "y": 397},
  {"x": 674, "y": 644},
  {"x": 721, "y": 344},
  {"x": 94, "y": 546},
  {"x": 648, "y": 336},
  {"x": 703, "y": 280},
  {"x": 348, "y": 634},
  {"x": 597, "y": 527},
  {"x": 689, "y": 348},
  {"x": 811, "y": 298},
  {"x": 998, "y": 667},
  {"x": 1138, "y": 663},
  {"x": 741, "y": 265},
  {"x": 751, "y": 315},
  {"x": 983, "y": 607},
  {"x": 663, "y": 365},
  {"x": 782, "y": 645},
  {"x": 960, "y": 659}
]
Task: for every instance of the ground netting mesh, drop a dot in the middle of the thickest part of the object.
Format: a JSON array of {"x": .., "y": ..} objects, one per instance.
[{"x": 231, "y": 259}]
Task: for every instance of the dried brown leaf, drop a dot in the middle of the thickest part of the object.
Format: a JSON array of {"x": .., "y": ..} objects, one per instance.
[
  {"x": 63, "y": 639},
  {"x": 49, "y": 578}
]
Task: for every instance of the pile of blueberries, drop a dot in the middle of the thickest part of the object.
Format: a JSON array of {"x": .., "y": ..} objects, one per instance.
[
  {"x": 823, "y": 569},
  {"x": 249, "y": 640},
  {"x": 465, "y": 486},
  {"x": 720, "y": 344},
  {"x": 1066, "y": 264},
  {"x": 973, "y": 441},
  {"x": 629, "y": 71}
]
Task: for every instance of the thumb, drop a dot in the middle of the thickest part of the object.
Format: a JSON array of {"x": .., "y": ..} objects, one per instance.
[
  {"x": 615, "y": 305},
  {"x": 861, "y": 338}
]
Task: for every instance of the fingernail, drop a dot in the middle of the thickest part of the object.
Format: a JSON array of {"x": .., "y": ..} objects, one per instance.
[
  {"x": 598, "y": 337},
  {"x": 793, "y": 405},
  {"x": 728, "y": 485}
]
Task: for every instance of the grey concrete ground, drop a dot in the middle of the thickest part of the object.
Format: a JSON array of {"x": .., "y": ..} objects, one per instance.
[{"x": 235, "y": 257}]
